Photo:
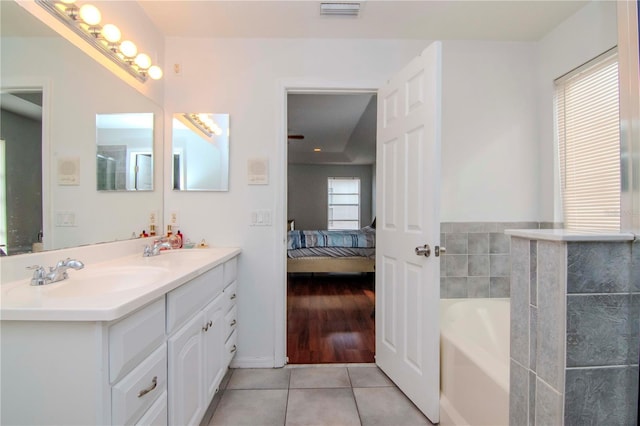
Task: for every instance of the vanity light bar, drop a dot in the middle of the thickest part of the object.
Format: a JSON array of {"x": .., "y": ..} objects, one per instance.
[
  {"x": 199, "y": 124},
  {"x": 69, "y": 14}
]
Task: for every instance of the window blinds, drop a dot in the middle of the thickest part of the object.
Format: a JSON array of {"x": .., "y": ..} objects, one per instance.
[
  {"x": 587, "y": 122},
  {"x": 344, "y": 203}
]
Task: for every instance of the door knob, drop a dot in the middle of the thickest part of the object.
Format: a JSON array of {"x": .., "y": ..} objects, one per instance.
[
  {"x": 440, "y": 251},
  {"x": 425, "y": 251}
]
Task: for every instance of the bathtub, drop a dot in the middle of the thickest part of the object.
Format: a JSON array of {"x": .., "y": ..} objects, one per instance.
[{"x": 474, "y": 362}]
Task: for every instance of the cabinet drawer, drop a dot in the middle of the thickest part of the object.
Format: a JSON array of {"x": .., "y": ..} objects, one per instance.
[
  {"x": 230, "y": 271},
  {"x": 185, "y": 301},
  {"x": 231, "y": 321},
  {"x": 157, "y": 414},
  {"x": 134, "y": 394},
  {"x": 231, "y": 347},
  {"x": 230, "y": 295},
  {"x": 135, "y": 337}
]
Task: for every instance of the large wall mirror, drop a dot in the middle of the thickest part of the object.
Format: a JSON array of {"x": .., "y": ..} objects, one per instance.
[
  {"x": 200, "y": 152},
  {"x": 75, "y": 90}
]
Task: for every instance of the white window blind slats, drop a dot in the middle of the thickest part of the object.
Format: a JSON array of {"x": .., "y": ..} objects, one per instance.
[
  {"x": 343, "y": 203},
  {"x": 588, "y": 132}
]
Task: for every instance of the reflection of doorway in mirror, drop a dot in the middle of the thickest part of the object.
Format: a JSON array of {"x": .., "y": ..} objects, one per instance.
[
  {"x": 3, "y": 199},
  {"x": 140, "y": 171},
  {"x": 178, "y": 170},
  {"x": 21, "y": 123}
]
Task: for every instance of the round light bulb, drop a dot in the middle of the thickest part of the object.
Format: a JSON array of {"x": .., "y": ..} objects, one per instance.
[
  {"x": 68, "y": 1},
  {"x": 111, "y": 33},
  {"x": 143, "y": 61},
  {"x": 128, "y": 49},
  {"x": 90, "y": 14},
  {"x": 155, "y": 72}
]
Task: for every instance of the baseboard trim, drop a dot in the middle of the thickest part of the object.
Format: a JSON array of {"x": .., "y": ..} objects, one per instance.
[{"x": 252, "y": 362}]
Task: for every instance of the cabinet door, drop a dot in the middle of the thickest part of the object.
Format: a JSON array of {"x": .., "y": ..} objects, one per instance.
[
  {"x": 186, "y": 384},
  {"x": 214, "y": 337}
]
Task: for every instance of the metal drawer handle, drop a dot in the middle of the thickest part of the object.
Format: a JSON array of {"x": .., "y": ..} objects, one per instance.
[
  {"x": 154, "y": 383},
  {"x": 234, "y": 322},
  {"x": 207, "y": 325},
  {"x": 233, "y": 349},
  {"x": 233, "y": 296}
]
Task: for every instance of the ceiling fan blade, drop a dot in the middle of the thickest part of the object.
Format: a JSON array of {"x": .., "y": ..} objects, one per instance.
[{"x": 295, "y": 137}]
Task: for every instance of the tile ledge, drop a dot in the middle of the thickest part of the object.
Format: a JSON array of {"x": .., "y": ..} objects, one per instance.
[{"x": 568, "y": 235}]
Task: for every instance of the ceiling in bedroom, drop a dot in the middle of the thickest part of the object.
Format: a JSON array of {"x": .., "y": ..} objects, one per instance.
[{"x": 342, "y": 126}]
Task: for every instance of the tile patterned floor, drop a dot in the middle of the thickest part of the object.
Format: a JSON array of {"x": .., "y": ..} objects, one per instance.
[{"x": 315, "y": 395}]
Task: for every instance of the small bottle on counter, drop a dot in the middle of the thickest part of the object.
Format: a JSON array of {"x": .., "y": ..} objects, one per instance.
[
  {"x": 144, "y": 234},
  {"x": 179, "y": 235},
  {"x": 169, "y": 231}
]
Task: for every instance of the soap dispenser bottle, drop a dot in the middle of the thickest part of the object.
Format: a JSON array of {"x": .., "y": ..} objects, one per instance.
[{"x": 179, "y": 235}]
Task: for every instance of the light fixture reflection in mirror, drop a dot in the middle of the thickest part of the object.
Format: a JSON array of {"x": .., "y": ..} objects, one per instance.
[
  {"x": 124, "y": 152},
  {"x": 200, "y": 152}
]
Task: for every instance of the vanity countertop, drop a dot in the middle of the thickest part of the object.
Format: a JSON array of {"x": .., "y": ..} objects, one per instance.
[{"x": 107, "y": 291}]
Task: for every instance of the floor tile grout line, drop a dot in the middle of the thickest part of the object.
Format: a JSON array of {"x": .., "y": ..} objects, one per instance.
[{"x": 353, "y": 395}]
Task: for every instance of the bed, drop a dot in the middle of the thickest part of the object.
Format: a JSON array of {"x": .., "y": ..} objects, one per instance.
[{"x": 331, "y": 251}]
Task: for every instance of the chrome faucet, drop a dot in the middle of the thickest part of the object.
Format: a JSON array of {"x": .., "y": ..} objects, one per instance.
[
  {"x": 56, "y": 273},
  {"x": 157, "y": 245}
]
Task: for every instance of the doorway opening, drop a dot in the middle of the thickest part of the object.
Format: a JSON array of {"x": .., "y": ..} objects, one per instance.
[
  {"x": 331, "y": 162},
  {"x": 21, "y": 200}
]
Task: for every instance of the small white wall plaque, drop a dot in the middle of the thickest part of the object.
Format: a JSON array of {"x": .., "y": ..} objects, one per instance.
[
  {"x": 69, "y": 171},
  {"x": 258, "y": 171}
]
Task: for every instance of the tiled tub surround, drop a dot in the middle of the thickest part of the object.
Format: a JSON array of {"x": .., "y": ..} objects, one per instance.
[
  {"x": 477, "y": 261},
  {"x": 575, "y": 315}
]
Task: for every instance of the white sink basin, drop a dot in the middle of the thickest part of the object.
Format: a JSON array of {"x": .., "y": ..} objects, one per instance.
[
  {"x": 178, "y": 255},
  {"x": 95, "y": 282}
]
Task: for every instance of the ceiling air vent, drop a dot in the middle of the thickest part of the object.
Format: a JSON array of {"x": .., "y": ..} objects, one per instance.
[{"x": 340, "y": 8}]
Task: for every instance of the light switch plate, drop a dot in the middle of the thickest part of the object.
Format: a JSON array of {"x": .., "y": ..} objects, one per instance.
[{"x": 65, "y": 219}]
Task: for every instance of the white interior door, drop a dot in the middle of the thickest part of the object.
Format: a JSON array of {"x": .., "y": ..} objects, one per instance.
[
  {"x": 408, "y": 216},
  {"x": 144, "y": 172}
]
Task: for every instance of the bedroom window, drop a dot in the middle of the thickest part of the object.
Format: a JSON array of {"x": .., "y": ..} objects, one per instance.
[
  {"x": 344, "y": 203},
  {"x": 588, "y": 131}
]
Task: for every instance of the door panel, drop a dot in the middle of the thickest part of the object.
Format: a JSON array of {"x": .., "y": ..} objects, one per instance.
[{"x": 408, "y": 285}]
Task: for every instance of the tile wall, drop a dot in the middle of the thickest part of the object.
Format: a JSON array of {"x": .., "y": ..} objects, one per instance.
[
  {"x": 477, "y": 261},
  {"x": 575, "y": 325}
]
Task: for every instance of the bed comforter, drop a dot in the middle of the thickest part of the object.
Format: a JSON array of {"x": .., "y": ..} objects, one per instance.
[{"x": 360, "y": 238}]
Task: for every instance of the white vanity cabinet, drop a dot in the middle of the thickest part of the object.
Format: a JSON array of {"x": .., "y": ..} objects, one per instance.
[
  {"x": 160, "y": 364},
  {"x": 196, "y": 349}
]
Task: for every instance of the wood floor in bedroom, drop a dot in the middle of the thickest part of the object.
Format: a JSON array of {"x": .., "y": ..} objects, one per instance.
[{"x": 329, "y": 318}]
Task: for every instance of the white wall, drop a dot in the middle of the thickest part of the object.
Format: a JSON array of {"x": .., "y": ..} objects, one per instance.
[
  {"x": 489, "y": 154},
  {"x": 583, "y": 36},
  {"x": 307, "y": 193}
]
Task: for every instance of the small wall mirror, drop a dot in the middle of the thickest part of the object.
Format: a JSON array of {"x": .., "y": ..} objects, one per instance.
[
  {"x": 124, "y": 152},
  {"x": 200, "y": 152}
]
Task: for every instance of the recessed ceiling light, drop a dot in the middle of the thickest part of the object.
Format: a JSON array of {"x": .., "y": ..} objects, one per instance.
[
  {"x": 340, "y": 8},
  {"x": 317, "y": 149}
]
